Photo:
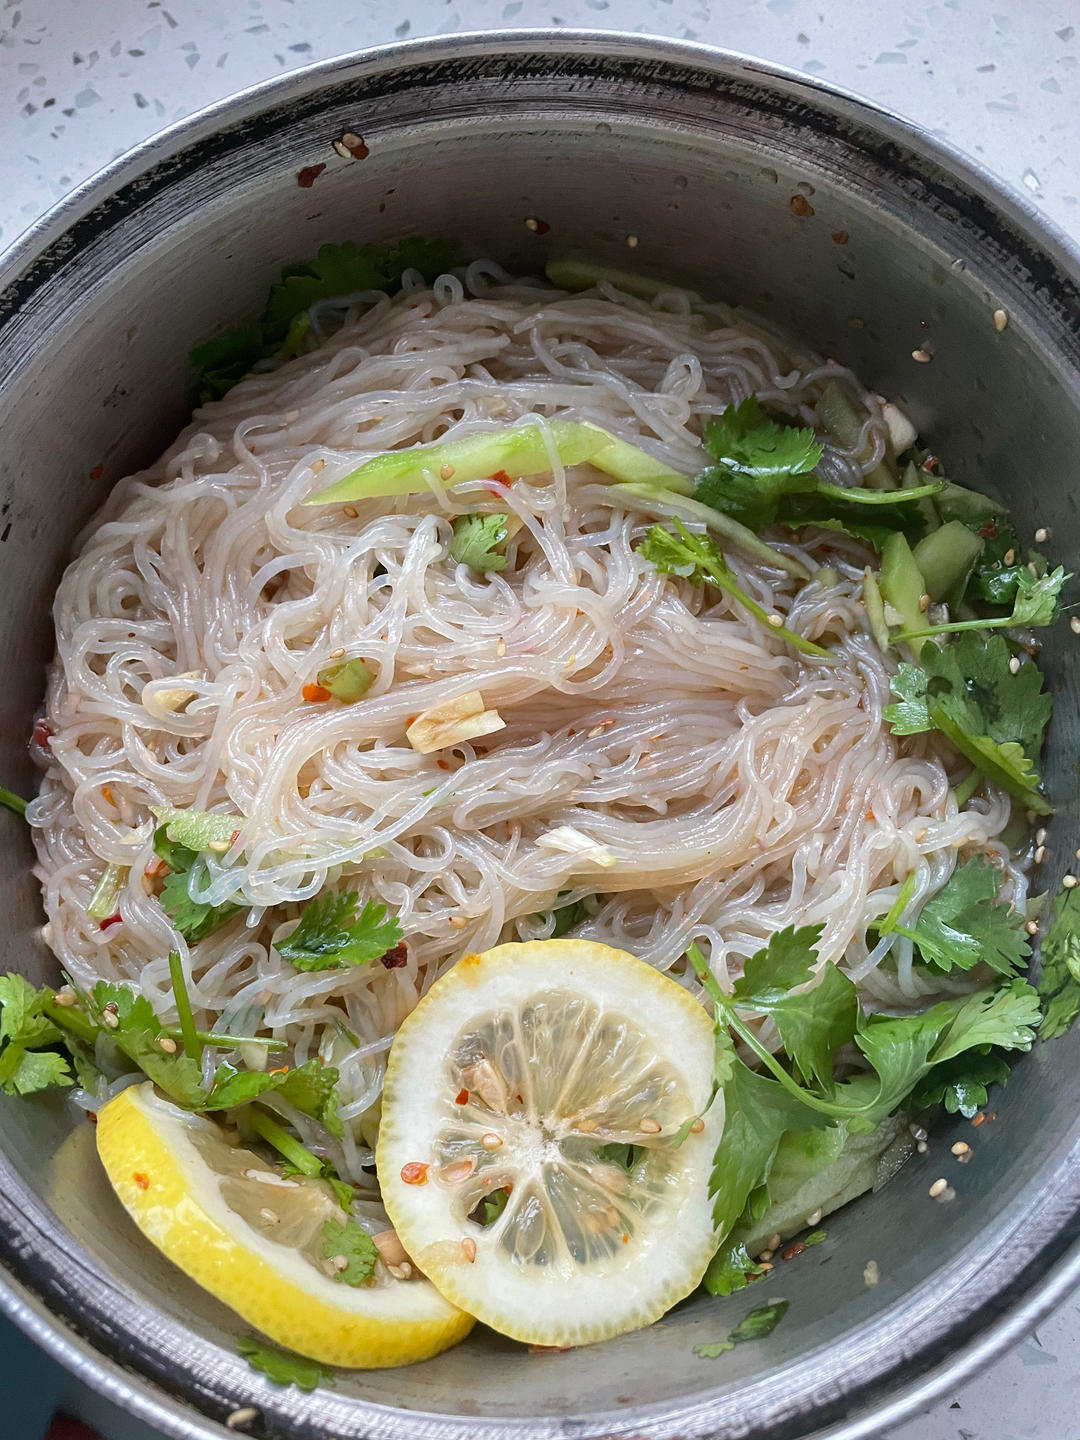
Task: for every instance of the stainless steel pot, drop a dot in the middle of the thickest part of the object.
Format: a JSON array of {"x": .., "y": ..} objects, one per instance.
[{"x": 849, "y": 228}]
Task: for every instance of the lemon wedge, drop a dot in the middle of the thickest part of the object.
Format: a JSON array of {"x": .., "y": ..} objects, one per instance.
[
  {"x": 254, "y": 1240},
  {"x": 526, "y": 1150}
]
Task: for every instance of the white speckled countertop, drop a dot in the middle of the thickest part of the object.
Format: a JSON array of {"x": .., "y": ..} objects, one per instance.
[{"x": 82, "y": 80}]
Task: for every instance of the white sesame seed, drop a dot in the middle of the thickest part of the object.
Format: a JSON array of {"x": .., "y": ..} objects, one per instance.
[
  {"x": 1040, "y": 854},
  {"x": 531, "y": 223},
  {"x": 774, "y": 1241},
  {"x": 1070, "y": 882},
  {"x": 922, "y": 356},
  {"x": 649, "y": 1126},
  {"x": 1040, "y": 836},
  {"x": 1042, "y": 535},
  {"x": 242, "y": 1416},
  {"x": 1074, "y": 624},
  {"x": 65, "y": 996},
  {"x": 813, "y": 1218},
  {"x": 458, "y": 922},
  {"x": 110, "y": 1018},
  {"x": 500, "y": 648},
  {"x": 922, "y": 1147},
  {"x": 338, "y": 653},
  {"x": 938, "y": 1188},
  {"x": 318, "y": 466},
  {"x": 1032, "y": 927},
  {"x": 218, "y": 846},
  {"x": 871, "y": 1273},
  {"x": 491, "y": 1141},
  {"x": 960, "y": 1148},
  {"x": 924, "y": 603},
  {"x": 698, "y": 1126},
  {"x": 776, "y": 621},
  {"x": 341, "y": 149},
  {"x": 632, "y": 241},
  {"x": 1001, "y": 319},
  {"x": 766, "y": 1255},
  {"x": 351, "y": 140},
  {"x": 350, "y": 512},
  {"x": 1009, "y": 558},
  {"x": 271, "y": 1217},
  {"x": 167, "y": 1043},
  {"x": 1014, "y": 666}
]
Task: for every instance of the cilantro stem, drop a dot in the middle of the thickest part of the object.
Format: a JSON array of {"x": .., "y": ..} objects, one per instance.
[
  {"x": 12, "y": 801},
  {"x": 728, "y": 1015},
  {"x": 188, "y": 1032},
  {"x": 860, "y": 496},
  {"x": 966, "y": 789},
  {"x": 899, "y": 905},
  {"x": 731, "y": 530},
  {"x": 284, "y": 1143},
  {"x": 219, "y": 1041},
  {"x": 948, "y": 628},
  {"x": 68, "y": 1017},
  {"x": 723, "y": 580}
]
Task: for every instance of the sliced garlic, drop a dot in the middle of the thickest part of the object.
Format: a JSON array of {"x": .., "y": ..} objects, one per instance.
[
  {"x": 462, "y": 718},
  {"x": 164, "y": 702},
  {"x": 570, "y": 841},
  {"x": 902, "y": 432}
]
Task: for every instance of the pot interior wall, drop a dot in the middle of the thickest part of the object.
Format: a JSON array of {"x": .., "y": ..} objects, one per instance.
[{"x": 702, "y": 168}]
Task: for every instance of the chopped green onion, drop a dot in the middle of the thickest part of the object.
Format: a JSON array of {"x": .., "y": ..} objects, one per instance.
[
  {"x": 107, "y": 891},
  {"x": 347, "y": 682}
]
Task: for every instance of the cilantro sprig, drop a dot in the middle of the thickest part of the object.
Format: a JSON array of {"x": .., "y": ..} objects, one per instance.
[
  {"x": 1035, "y": 604},
  {"x": 966, "y": 924},
  {"x": 806, "y": 1001},
  {"x": 332, "y": 934},
  {"x": 993, "y": 715},
  {"x": 337, "y": 270},
  {"x": 699, "y": 559},
  {"x": 758, "y": 462},
  {"x": 759, "y": 1323},
  {"x": 475, "y": 542},
  {"x": 1059, "y": 983}
]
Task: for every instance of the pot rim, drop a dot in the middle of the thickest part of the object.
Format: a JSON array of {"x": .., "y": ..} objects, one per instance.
[{"x": 1050, "y": 1267}]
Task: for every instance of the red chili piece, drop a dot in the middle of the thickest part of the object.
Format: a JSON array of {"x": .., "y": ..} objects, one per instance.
[
  {"x": 143, "y": 1181},
  {"x": 110, "y": 921},
  {"x": 306, "y": 177},
  {"x": 462, "y": 1097},
  {"x": 97, "y": 472},
  {"x": 397, "y": 957},
  {"x": 42, "y": 733}
]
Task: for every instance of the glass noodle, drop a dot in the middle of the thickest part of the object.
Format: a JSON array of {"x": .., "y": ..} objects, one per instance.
[{"x": 717, "y": 786}]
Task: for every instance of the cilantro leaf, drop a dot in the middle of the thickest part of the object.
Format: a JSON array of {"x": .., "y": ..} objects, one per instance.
[
  {"x": 756, "y": 1326},
  {"x": 965, "y": 924},
  {"x": 346, "y": 1240},
  {"x": 282, "y": 1367},
  {"x": 757, "y": 1113},
  {"x": 960, "y": 1083},
  {"x": 699, "y": 559},
  {"x": 342, "y": 270},
  {"x": 731, "y": 1269},
  {"x": 22, "y": 1071},
  {"x": 21, "y": 1020},
  {"x": 569, "y": 917},
  {"x": 136, "y": 1033},
  {"x": 337, "y": 271},
  {"x": 813, "y": 1022},
  {"x": 1035, "y": 603},
  {"x": 1059, "y": 982},
  {"x": 192, "y": 918},
  {"x": 994, "y": 717},
  {"x": 625, "y": 1156},
  {"x": 223, "y": 360},
  {"x": 331, "y": 935},
  {"x": 759, "y": 462},
  {"x": 474, "y": 542},
  {"x": 311, "y": 1088}
]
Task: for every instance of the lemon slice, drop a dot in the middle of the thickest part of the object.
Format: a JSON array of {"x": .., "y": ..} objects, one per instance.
[
  {"x": 254, "y": 1239},
  {"x": 531, "y": 1069}
]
